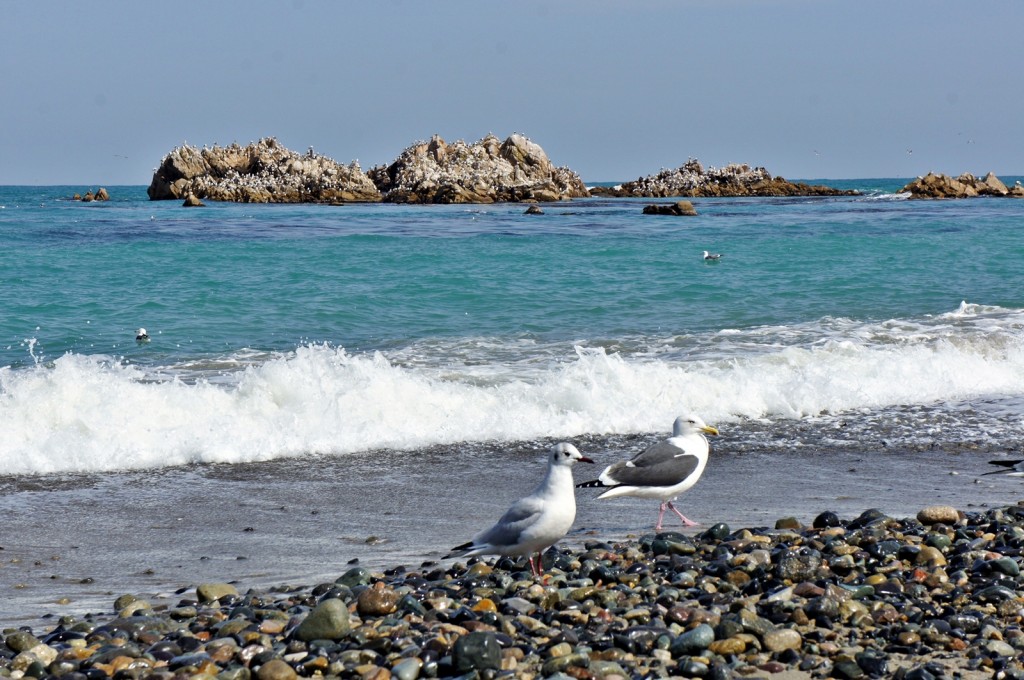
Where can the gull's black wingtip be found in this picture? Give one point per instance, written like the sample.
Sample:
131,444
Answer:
1017,465
592,484
460,550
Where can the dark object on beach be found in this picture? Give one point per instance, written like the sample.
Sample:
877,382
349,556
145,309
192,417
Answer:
1010,468
677,208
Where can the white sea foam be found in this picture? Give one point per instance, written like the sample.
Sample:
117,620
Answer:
95,413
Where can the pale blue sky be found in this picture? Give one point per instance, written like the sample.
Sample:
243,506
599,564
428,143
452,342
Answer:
97,93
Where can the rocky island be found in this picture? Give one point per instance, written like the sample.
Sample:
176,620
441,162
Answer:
487,171
694,180
261,172
966,185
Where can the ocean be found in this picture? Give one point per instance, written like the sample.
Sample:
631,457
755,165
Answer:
376,383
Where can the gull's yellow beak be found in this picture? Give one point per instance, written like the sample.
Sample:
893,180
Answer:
710,430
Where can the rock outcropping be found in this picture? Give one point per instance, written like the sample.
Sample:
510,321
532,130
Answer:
965,186
681,208
262,172
693,180
100,195
486,171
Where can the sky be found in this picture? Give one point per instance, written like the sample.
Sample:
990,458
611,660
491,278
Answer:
97,93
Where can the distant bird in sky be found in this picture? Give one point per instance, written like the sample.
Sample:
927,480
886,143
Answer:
1010,468
141,335
662,471
712,256
534,522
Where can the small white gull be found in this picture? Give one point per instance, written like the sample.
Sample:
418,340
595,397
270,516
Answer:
662,471
537,521
712,256
141,335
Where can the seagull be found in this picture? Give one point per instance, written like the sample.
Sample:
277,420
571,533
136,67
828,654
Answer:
141,335
712,256
1014,468
661,471
537,521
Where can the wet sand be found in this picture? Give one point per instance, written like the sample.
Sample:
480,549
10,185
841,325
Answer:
72,545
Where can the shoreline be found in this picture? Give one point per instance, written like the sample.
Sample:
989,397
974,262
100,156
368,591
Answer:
156,532
836,597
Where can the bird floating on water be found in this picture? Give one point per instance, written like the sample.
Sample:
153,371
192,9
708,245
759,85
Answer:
662,471
534,522
141,335
712,256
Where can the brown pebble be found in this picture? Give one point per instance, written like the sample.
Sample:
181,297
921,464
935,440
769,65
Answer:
782,639
272,626
728,646
276,669
931,557
908,638
808,590
377,601
938,514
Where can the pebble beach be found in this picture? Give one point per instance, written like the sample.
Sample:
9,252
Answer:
932,596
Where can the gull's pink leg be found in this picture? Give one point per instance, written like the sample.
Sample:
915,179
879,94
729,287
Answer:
661,515
686,522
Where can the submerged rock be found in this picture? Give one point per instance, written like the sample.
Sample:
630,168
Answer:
692,179
677,208
487,171
262,172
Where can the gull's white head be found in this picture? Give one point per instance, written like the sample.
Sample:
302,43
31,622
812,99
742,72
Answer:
141,334
566,454
691,424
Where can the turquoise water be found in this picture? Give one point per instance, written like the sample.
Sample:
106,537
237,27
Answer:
479,311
